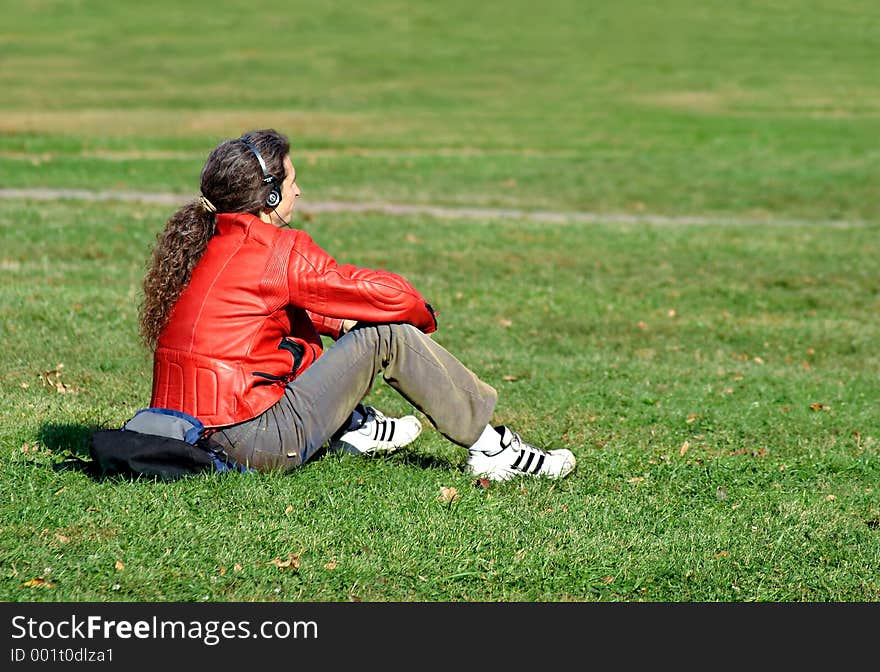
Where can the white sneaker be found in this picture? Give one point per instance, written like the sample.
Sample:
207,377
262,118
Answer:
518,458
378,434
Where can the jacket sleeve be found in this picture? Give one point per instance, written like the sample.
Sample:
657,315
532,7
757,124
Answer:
331,290
326,326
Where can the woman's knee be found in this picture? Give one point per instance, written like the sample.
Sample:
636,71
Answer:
389,331
405,330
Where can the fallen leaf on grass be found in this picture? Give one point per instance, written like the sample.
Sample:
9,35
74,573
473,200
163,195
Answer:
330,565
720,554
816,406
38,582
52,378
482,483
119,565
448,495
684,448
636,479
292,562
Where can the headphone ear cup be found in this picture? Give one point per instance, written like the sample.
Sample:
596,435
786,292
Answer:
274,198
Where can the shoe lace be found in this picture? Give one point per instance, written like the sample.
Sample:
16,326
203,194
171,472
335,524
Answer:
517,444
376,413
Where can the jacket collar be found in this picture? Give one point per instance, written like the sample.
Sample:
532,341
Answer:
228,222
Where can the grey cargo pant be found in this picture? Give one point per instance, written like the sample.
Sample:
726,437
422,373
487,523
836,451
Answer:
317,403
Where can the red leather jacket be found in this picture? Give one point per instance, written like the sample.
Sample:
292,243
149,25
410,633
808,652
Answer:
251,317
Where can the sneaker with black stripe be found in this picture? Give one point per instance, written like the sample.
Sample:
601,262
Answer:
378,433
515,458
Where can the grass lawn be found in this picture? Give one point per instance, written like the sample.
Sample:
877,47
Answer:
715,380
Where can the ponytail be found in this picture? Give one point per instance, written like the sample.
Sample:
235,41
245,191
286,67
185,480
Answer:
179,247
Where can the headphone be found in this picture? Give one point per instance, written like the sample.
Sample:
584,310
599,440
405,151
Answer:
273,198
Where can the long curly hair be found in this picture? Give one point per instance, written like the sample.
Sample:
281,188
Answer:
231,181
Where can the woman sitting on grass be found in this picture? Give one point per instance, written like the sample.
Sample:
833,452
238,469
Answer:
234,309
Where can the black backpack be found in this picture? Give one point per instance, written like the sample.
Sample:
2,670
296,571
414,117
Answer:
159,443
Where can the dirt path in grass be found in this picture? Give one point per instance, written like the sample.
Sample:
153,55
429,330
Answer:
306,208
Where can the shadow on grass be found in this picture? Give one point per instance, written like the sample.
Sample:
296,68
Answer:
403,456
71,440
429,462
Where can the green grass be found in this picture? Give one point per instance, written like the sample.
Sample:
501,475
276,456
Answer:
749,345
764,109
717,382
